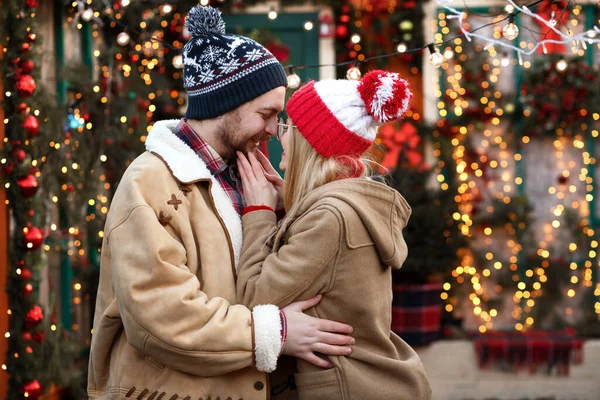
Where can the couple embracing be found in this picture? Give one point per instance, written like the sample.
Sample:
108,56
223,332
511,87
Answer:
220,280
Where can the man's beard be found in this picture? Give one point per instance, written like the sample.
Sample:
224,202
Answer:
231,136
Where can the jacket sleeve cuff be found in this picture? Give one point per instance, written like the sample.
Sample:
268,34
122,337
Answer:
255,208
267,339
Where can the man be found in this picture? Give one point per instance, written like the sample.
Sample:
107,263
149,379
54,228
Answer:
166,324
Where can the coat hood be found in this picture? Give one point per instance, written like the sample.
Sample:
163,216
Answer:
382,210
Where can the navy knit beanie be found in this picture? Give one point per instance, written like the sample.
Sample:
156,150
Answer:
223,71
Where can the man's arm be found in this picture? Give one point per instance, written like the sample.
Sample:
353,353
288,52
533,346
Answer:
167,317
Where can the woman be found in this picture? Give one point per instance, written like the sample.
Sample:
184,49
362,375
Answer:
341,237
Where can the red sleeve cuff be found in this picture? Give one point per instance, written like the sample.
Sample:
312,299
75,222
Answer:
256,208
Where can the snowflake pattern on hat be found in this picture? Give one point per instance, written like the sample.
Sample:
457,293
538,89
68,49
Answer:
215,64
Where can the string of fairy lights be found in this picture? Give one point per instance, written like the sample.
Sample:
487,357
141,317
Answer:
528,286
510,32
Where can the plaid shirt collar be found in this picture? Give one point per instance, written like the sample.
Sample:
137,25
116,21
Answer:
226,175
213,160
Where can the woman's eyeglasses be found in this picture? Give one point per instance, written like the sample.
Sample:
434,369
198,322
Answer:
282,128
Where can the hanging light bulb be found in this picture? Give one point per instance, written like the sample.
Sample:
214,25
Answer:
561,65
272,13
123,38
308,25
355,38
401,47
293,79
511,31
178,61
353,74
448,54
87,14
124,3
435,57
167,8
204,2
552,21
505,62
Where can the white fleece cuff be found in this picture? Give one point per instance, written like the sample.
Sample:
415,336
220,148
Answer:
267,336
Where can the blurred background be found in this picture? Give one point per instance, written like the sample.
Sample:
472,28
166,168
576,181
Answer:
500,293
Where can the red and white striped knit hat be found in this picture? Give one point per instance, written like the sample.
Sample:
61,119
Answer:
341,117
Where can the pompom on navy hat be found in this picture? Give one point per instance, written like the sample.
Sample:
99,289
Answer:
223,71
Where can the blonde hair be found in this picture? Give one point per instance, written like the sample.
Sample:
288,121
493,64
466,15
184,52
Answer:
307,170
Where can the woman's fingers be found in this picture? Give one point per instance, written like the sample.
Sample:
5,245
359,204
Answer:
244,165
336,339
332,350
256,167
313,359
266,164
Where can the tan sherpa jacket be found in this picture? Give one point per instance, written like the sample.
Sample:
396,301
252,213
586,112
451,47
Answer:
166,325
342,241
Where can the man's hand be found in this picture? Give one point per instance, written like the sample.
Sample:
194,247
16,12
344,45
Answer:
307,335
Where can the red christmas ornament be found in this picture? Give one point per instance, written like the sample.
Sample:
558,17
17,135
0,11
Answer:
31,3
29,350
341,31
28,186
31,125
33,316
25,85
33,238
21,108
25,47
26,66
19,155
32,37
38,337
33,389
31,213
26,336
25,273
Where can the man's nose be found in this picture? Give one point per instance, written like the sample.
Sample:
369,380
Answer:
271,127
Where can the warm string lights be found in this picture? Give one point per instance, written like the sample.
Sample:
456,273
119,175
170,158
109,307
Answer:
528,281
510,31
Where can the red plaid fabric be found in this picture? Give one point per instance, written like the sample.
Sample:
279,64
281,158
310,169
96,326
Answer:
226,175
417,313
551,350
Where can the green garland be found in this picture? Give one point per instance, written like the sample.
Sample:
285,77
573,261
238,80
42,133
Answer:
39,353
559,95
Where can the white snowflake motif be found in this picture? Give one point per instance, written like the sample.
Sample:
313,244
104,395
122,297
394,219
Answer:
199,42
253,55
212,53
206,76
189,81
229,66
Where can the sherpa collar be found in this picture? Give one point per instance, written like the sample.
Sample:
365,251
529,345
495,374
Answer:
187,167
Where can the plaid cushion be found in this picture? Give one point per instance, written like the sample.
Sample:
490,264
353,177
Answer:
417,313
536,350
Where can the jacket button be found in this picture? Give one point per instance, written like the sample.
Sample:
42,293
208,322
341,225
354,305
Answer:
259,385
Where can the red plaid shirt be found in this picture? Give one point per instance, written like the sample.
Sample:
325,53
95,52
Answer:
225,174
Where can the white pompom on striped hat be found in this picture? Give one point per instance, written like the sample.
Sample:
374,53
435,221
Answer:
341,117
